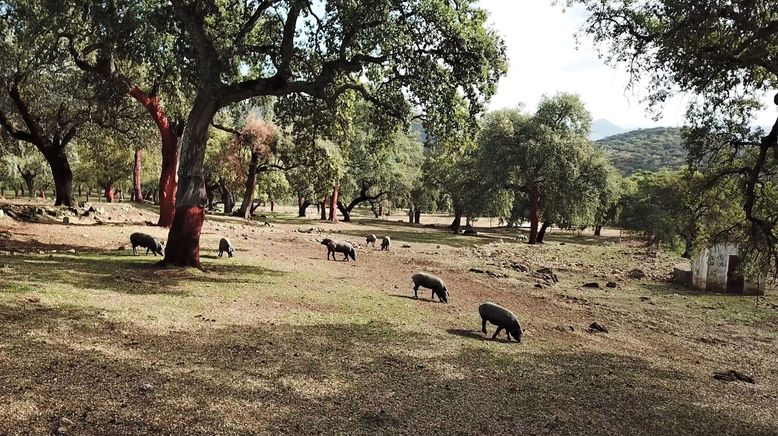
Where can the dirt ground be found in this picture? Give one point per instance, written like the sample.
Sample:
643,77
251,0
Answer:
279,340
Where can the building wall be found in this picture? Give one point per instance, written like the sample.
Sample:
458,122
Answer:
718,264
700,270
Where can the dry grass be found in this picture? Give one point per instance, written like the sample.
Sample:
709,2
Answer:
279,340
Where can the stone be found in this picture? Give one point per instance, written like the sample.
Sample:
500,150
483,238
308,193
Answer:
591,285
611,285
72,251
596,327
122,247
636,274
733,375
66,220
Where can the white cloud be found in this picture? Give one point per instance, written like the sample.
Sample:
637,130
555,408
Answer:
545,59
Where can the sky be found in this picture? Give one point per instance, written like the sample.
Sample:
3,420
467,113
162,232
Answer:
545,59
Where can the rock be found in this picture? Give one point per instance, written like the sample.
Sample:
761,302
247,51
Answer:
645,298
72,251
147,388
66,220
591,285
596,327
547,275
611,285
519,267
406,246
122,247
538,285
732,375
1,213
636,274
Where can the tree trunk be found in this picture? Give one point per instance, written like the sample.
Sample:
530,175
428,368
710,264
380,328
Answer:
169,135
272,206
410,215
209,194
542,232
108,190
688,246
183,247
534,213
380,211
417,216
137,192
323,209
302,207
42,193
79,190
29,181
597,230
334,205
251,183
344,210
63,178
226,194
457,223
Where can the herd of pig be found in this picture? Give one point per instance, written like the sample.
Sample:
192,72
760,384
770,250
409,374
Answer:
495,314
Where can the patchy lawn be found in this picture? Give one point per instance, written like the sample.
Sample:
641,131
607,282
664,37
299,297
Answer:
280,340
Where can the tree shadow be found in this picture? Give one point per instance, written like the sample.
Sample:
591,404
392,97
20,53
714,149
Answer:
110,377
136,275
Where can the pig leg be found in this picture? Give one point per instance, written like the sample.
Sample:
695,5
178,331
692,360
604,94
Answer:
499,329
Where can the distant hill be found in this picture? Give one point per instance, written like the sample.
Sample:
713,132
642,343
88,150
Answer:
645,149
603,128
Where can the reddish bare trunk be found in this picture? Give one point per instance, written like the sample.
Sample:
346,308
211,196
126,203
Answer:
534,213
137,192
109,194
334,205
42,194
183,245
168,183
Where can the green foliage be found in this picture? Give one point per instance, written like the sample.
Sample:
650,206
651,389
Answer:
653,149
726,52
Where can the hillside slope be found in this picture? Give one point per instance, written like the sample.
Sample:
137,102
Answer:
645,149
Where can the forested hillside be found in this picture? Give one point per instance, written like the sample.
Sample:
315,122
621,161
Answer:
645,149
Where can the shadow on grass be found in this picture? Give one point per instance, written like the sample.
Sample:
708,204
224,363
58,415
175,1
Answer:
137,275
113,378
411,297
478,335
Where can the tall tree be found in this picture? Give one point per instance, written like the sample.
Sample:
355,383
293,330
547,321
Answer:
726,52
33,75
399,55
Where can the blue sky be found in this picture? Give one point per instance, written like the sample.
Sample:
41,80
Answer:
545,59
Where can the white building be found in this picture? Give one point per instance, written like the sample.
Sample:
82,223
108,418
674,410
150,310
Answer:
717,269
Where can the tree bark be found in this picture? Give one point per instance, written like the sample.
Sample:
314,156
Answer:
534,213
542,232
417,216
457,223
380,211
344,211
29,181
63,177
597,230
323,209
108,192
410,215
334,204
137,192
302,207
272,206
169,134
251,184
226,194
183,247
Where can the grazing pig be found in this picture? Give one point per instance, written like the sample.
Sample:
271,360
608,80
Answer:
370,240
426,280
226,245
385,243
339,247
145,241
502,318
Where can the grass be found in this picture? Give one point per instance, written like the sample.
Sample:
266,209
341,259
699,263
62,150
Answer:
279,340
